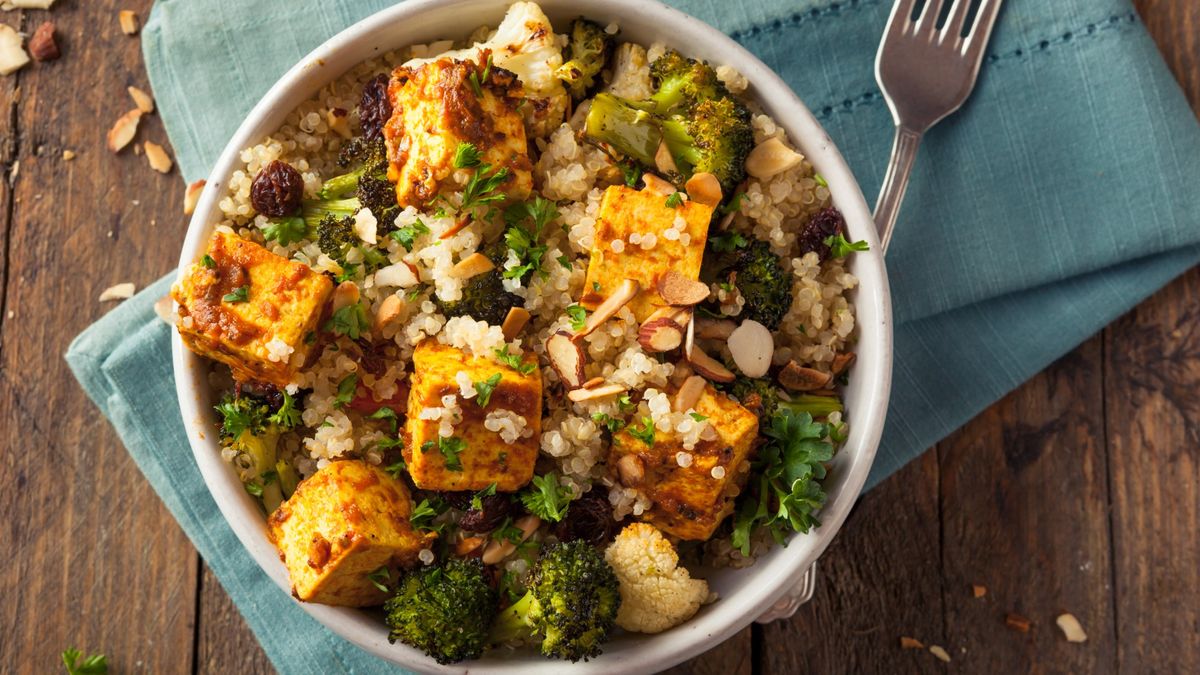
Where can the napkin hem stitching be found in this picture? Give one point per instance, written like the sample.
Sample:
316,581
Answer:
799,18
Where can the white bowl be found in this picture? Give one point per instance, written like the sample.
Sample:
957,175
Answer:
744,594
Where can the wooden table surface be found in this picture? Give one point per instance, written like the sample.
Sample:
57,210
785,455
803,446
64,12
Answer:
1075,493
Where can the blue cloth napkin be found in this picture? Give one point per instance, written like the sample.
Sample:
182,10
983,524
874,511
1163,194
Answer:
1061,195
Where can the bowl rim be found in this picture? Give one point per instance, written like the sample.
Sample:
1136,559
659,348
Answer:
787,565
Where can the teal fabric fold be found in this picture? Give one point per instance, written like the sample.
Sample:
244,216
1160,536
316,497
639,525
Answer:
1062,194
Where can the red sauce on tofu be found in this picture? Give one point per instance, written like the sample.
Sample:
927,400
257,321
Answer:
209,311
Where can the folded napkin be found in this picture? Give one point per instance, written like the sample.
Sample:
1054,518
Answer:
1061,195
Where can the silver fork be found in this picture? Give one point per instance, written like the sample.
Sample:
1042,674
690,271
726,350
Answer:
925,73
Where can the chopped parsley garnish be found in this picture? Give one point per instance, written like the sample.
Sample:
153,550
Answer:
698,417
207,261
310,337
564,261
408,234
425,512
624,404
415,293
394,470
546,499
606,421
389,443
240,415
522,240
466,156
481,188
239,294
840,248
285,230
350,321
349,272
820,180
450,447
380,578
734,204
631,172
288,416
644,433
95,664
385,414
675,200
725,243
484,389
253,488
473,80
514,361
596,286
345,391
477,498
578,316
502,460
508,532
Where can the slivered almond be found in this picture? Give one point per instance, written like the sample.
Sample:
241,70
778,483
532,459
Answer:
472,265
709,367
400,274
129,22
940,652
12,55
344,295
752,347
389,311
191,196
339,121
141,99
1017,623
593,383
631,470
796,377
122,291
1071,628
459,225
771,157
714,329
159,160
689,393
566,358
911,643
515,322
659,185
123,131
704,188
498,549
467,546
627,291
660,335
581,395
689,342
676,289
841,362
663,160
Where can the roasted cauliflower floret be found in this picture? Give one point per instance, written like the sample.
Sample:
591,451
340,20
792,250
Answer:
656,594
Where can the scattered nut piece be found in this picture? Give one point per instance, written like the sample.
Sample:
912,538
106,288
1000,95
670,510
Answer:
689,393
584,394
709,367
911,643
192,196
12,56
660,334
841,362
630,470
940,653
676,289
389,311
467,546
593,383
163,309
978,591
663,159
704,188
795,377
1017,623
515,322
752,347
472,266
30,4
142,100
344,295
1071,628
659,185
339,121
159,160
42,46
714,329
129,22
122,291
566,357
400,275
68,155
494,554
627,291
771,157
123,130
459,225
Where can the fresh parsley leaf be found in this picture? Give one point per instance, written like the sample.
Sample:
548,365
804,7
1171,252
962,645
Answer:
380,578
565,261
95,664
523,241
606,421
239,294
840,248
514,361
578,316
414,293
349,272
345,391
477,498
675,200
385,414
254,488
546,499
481,188
596,286
644,433
241,415
407,235
624,403
466,156
424,513
730,241
389,443
350,321
508,532
698,417
734,204
450,447
285,230
394,470
473,80
288,416
207,261
820,180
373,258
484,389
631,172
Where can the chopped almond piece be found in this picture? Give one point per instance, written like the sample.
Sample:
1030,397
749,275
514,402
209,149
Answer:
631,470
566,358
709,367
663,159
582,394
68,155
144,101
472,266
159,160
911,643
659,185
389,311
795,377
704,188
515,322
689,393
1071,628
129,22
339,121
123,131
12,56
677,289
122,291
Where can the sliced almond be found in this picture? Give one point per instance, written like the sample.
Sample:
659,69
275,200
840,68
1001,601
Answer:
28,4
566,357
344,295
467,546
339,121
164,309
122,291
771,157
12,55
940,653
389,311
709,367
689,342
660,335
1071,628
192,196
663,160
911,643
627,291
704,188
796,377
159,160
659,185
515,322
400,275
593,383
841,362
1017,623
677,289
752,347
129,22
472,266
123,131
689,393
631,470
459,226
708,328
141,99
581,395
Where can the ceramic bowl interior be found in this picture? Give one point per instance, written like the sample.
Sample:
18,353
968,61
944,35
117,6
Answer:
744,594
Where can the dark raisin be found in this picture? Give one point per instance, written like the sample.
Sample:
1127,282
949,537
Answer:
42,46
277,189
495,509
375,107
373,359
825,224
588,518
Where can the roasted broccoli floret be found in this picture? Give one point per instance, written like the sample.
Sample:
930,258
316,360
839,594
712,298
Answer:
335,235
571,604
765,399
444,611
366,186
587,52
484,297
704,127
251,429
760,276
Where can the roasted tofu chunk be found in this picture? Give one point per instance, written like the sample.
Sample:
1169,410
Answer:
250,309
444,103
677,236
454,443
691,501
343,523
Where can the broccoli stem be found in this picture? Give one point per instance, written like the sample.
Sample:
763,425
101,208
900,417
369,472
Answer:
630,130
511,623
817,406
340,186
314,211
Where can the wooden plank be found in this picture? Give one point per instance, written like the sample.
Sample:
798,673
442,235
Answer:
1153,408
95,560
879,580
732,657
1175,27
1024,514
224,643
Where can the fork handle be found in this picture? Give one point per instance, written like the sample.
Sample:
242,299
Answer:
895,182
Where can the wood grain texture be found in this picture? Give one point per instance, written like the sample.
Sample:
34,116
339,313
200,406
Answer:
224,643
1175,27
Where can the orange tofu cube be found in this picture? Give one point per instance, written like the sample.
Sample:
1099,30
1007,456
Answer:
474,456
344,522
689,502
250,309
624,212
